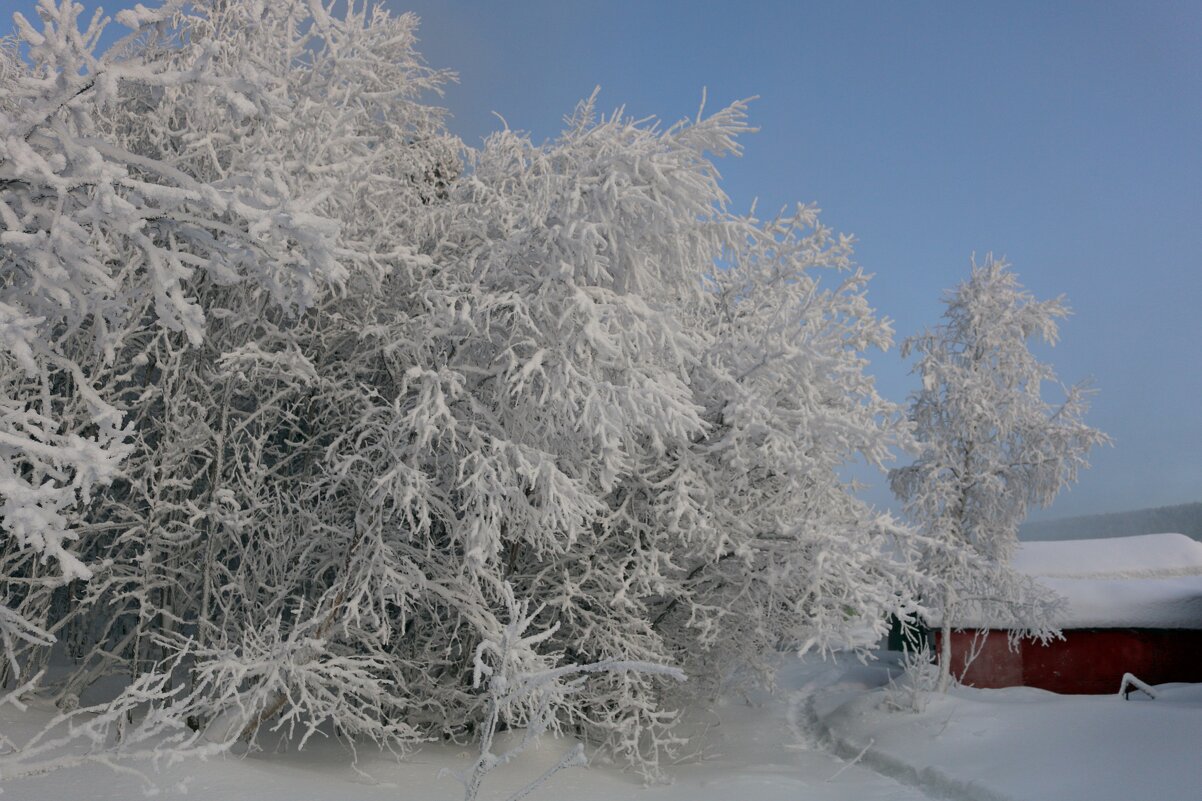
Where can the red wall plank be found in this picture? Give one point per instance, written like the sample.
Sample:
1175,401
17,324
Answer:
995,665
1087,661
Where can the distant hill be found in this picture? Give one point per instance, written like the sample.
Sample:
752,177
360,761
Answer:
1183,519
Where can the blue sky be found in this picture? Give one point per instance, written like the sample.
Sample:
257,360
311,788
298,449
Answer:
1064,136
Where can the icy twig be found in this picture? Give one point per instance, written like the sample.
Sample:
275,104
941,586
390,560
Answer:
859,756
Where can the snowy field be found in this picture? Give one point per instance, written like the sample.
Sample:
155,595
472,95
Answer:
1021,742
826,733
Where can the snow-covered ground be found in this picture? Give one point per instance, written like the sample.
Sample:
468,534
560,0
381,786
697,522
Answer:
751,751
1021,743
801,742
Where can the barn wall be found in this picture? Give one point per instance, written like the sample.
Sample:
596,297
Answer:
995,664
1094,660
1087,661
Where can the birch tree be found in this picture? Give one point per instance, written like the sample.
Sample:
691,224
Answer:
991,446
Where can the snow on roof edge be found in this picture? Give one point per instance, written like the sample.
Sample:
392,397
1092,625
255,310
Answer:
1143,581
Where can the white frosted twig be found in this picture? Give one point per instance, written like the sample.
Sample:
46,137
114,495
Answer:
859,756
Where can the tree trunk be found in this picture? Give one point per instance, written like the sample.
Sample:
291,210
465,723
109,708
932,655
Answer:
945,641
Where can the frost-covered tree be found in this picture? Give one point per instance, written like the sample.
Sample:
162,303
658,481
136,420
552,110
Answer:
207,169
381,378
573,400
991,446
523,687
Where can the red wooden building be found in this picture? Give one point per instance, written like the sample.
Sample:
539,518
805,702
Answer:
1134,606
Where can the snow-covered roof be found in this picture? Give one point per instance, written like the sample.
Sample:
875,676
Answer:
1148,581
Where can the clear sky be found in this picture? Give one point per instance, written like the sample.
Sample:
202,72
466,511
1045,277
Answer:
1063,136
